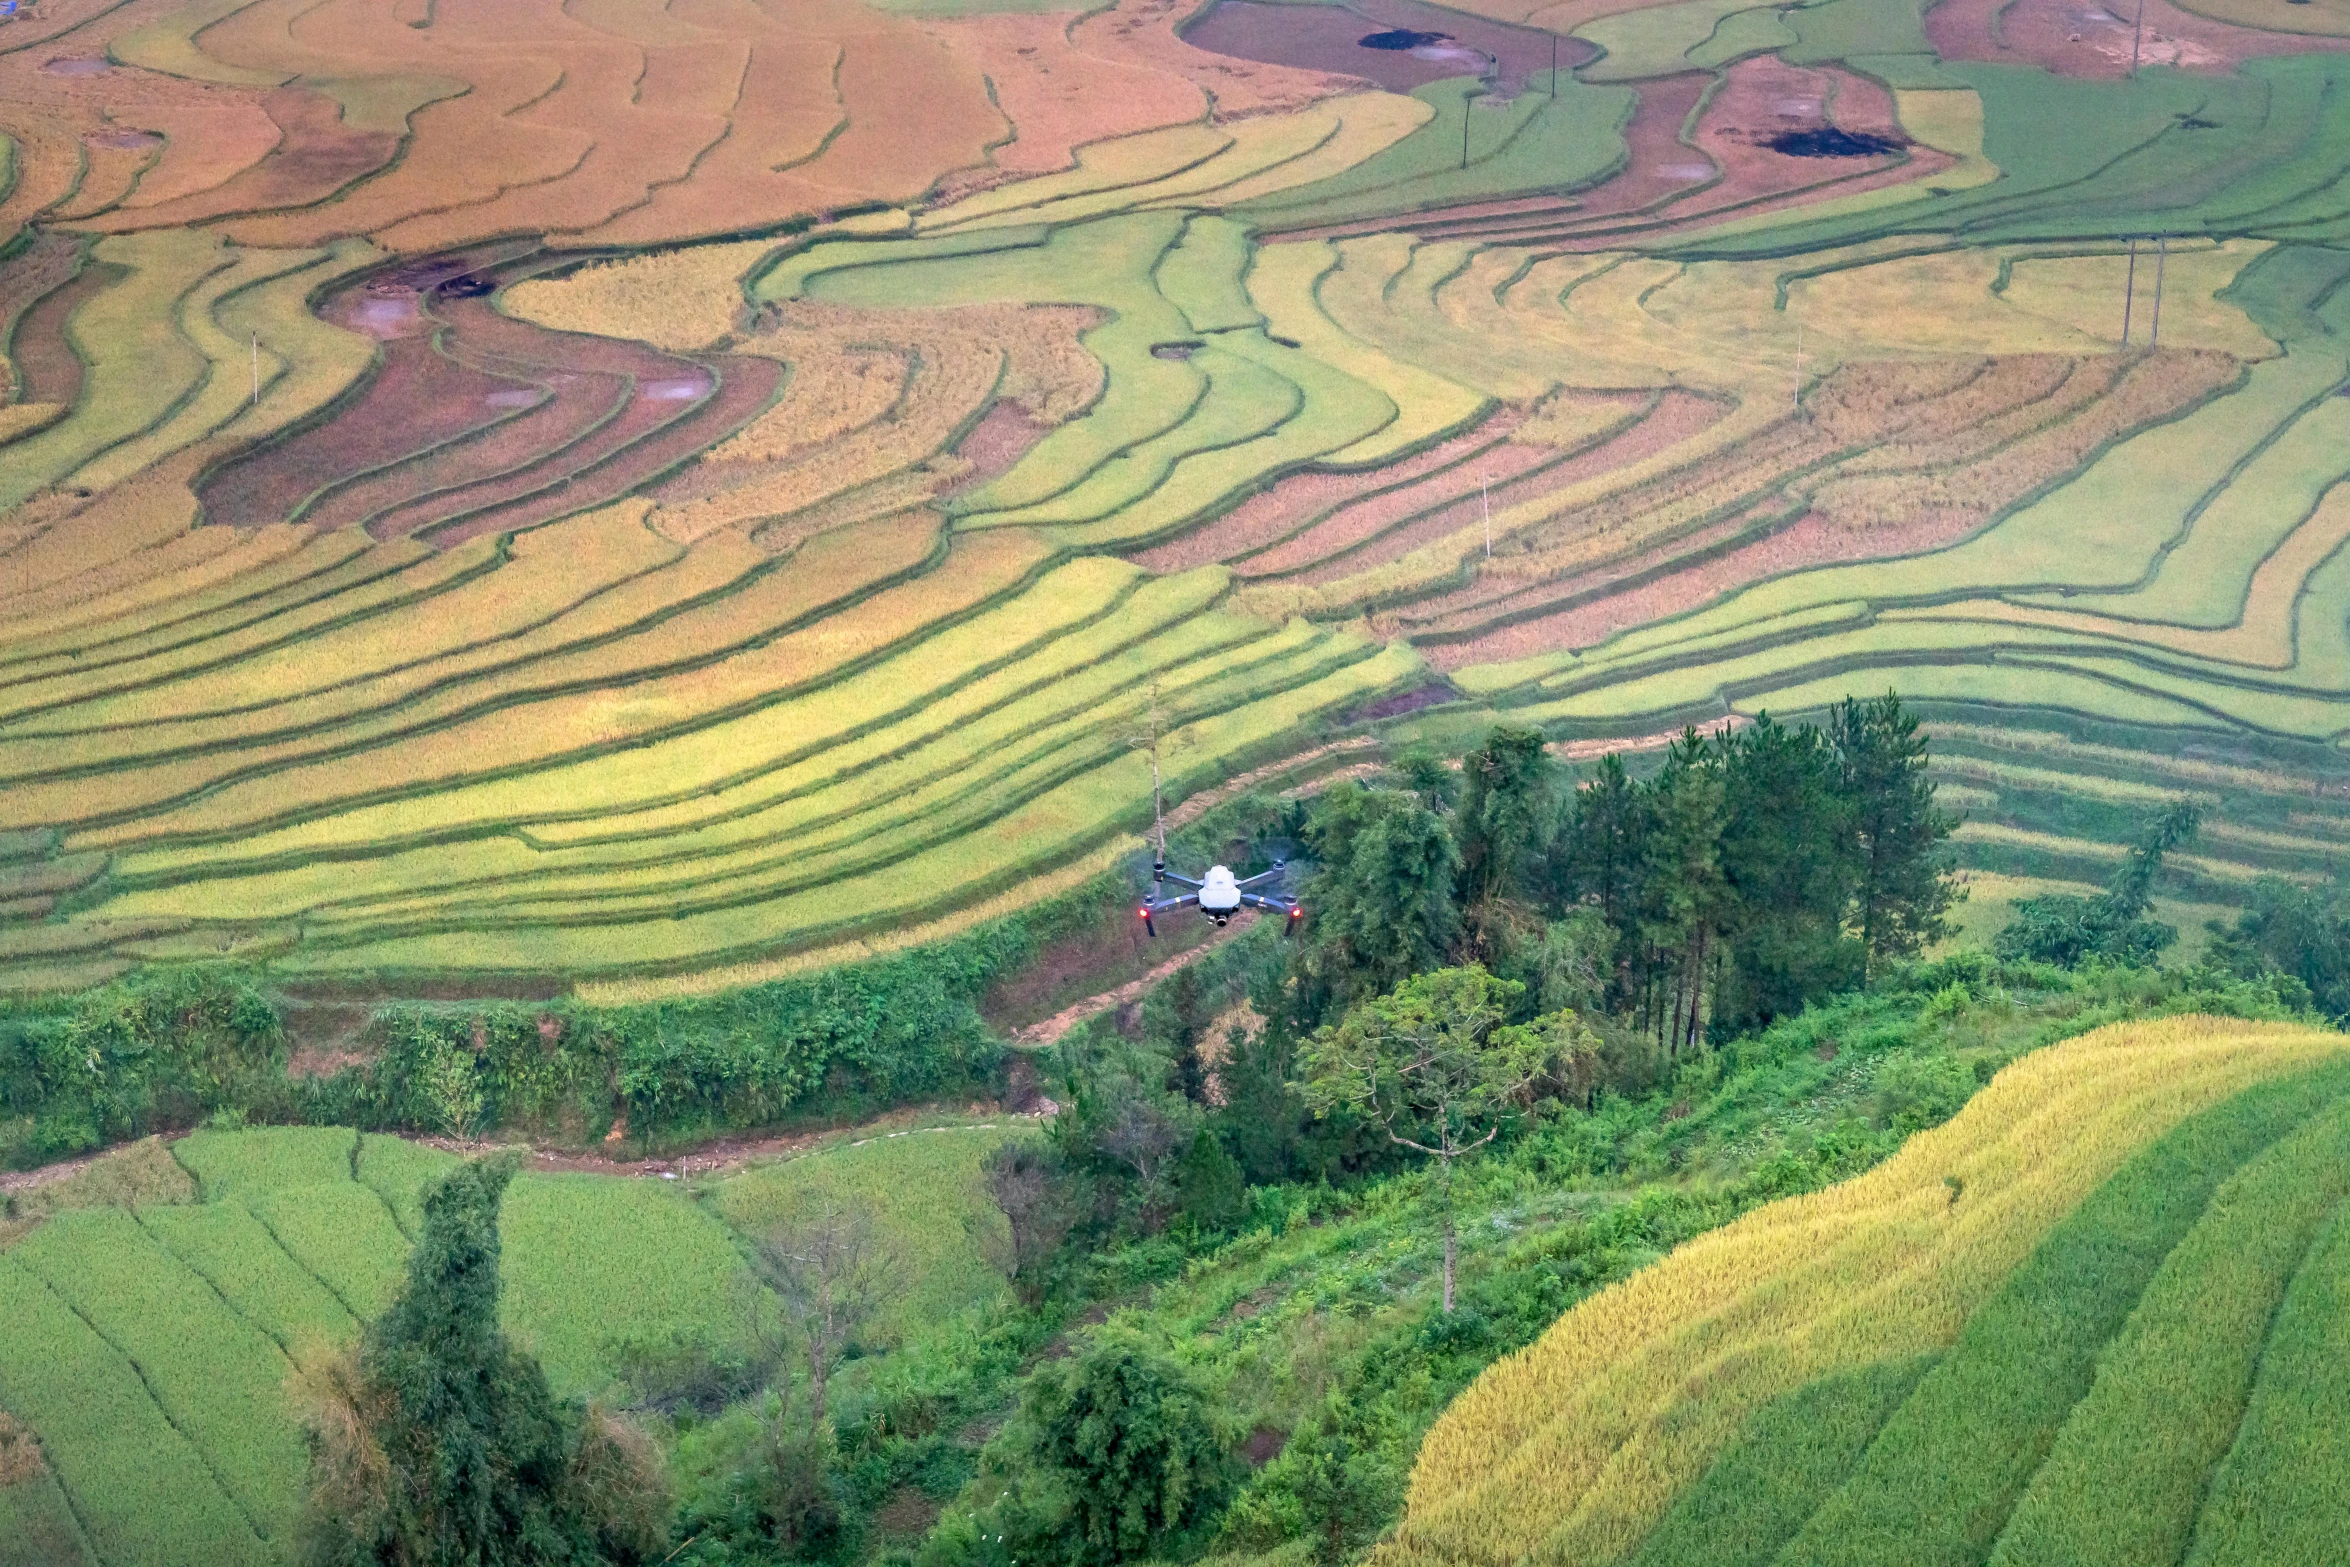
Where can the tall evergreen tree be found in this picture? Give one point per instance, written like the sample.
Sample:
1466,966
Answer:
1380,908
1901,888
1788,855
1686,898
1598,859
1504,813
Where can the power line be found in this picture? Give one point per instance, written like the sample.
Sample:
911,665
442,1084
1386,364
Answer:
2129,292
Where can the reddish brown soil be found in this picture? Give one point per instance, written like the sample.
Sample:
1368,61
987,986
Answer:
2083,38
1679,415
316,156
1810,542
1329,38
44,265
46,365
1509,469
1001,438
1271,515
477,423
670,431
417,399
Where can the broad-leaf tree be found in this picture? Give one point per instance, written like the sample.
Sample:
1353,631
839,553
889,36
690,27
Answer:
1433,1063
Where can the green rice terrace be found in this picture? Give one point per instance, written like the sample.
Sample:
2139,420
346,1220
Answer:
643,577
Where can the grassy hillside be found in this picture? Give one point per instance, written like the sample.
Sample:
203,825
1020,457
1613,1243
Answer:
2072,1324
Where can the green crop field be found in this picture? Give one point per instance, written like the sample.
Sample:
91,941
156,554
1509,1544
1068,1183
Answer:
150,1342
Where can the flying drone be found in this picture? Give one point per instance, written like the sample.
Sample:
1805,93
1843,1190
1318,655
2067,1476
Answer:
1219,894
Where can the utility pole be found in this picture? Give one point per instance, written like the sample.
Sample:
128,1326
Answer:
1797,404
1486,491
1554,67
1464,130
2137,36
257,369
2129,293
2161,255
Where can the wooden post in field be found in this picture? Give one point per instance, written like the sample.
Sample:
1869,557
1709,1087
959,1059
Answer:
257,369
2137,36
2129,292
1797,407
1485,491
1554,67
1464,130
2161,255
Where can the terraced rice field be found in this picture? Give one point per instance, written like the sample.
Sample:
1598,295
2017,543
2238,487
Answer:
2087,1320
602,492
149,1345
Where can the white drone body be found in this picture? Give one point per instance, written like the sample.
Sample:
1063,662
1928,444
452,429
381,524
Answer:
1219,895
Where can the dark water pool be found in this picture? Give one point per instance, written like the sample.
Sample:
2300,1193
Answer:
1399,44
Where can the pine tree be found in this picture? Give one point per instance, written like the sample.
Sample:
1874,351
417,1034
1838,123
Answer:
1901,888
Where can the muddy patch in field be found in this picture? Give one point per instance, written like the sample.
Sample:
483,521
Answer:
1398,44
124,140
77,65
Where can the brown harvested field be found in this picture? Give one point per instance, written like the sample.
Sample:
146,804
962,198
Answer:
1994,433
1678,416
1810,541
1056,97
674,431
1506,472
47,368
894,111
418,399
1272,515
316,156
39,269
1001,438
1329,38
2083,38
443,479
1143,32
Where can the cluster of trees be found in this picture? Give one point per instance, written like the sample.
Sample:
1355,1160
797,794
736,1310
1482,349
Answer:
1754,870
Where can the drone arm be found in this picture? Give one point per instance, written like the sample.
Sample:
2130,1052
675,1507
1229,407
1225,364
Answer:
1260,877
1185,880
